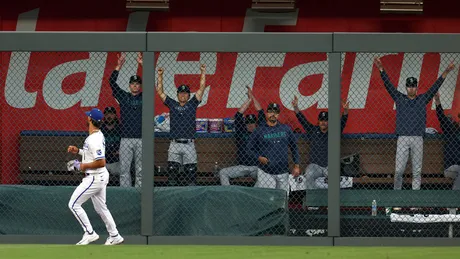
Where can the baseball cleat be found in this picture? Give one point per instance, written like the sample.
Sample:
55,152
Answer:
116,240
87,238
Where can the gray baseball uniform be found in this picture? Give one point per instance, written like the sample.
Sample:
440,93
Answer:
182,150
410,128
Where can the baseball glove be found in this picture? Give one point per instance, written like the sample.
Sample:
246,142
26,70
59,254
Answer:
73,166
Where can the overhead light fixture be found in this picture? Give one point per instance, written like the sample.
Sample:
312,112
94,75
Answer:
273,5
401,6
147,5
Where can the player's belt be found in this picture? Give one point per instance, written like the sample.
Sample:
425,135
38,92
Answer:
93,173
183,141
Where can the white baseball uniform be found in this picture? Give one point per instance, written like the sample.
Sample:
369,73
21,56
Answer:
93,186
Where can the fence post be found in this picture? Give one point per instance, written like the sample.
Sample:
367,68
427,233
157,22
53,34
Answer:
334,133
148,94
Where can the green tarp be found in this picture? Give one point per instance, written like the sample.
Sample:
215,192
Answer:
219,210
186,211
43,210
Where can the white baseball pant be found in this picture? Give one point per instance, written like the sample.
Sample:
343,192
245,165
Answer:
92,186
130,148
272,181
453,172
315,178
182,153
414,145
225,174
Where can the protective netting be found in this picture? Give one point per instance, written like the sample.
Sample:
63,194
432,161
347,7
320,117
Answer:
240,119
43,114
241,140
403,136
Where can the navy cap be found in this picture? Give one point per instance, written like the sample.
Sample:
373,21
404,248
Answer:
323,116
250,119
183,89
274,107
95,114
135,79
110,109
411,82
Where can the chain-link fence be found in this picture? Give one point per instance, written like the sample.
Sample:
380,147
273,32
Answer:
403,143
238,121
241,142
46,135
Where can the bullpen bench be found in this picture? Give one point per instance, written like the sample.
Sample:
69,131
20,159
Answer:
43,157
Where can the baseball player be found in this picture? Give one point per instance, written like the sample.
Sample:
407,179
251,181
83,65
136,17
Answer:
111,130
318,166
243,129
269,145
131,124
410,123
451,132
182,115
94,183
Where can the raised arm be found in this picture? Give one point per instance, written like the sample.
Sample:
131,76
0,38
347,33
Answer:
260,112
307,126
343,121
160,90
445,123
254,99
200,92
117,92
435,87
239,117
139,58
394,93
246,104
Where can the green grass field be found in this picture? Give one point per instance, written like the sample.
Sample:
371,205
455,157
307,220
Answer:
216,252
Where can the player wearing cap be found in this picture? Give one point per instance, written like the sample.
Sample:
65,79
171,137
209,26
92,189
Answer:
410,123
131,124
247,166
111,129
182,150
94,183
270,145
318,166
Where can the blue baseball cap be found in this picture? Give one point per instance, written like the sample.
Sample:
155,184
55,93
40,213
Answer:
95,114
323,116
183,89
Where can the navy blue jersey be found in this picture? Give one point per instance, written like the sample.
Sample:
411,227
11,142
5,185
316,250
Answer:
183,118
130,109
410,113
318,140
451,134
242,136
274,143
112,143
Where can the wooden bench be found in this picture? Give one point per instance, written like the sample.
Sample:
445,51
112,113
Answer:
43,157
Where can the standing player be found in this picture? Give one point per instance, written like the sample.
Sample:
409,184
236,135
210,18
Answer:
318,144
269,145
243,129
131,124
410,123
94,184
451,134
182,150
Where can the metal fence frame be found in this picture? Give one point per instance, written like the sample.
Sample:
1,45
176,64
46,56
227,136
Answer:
149,42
